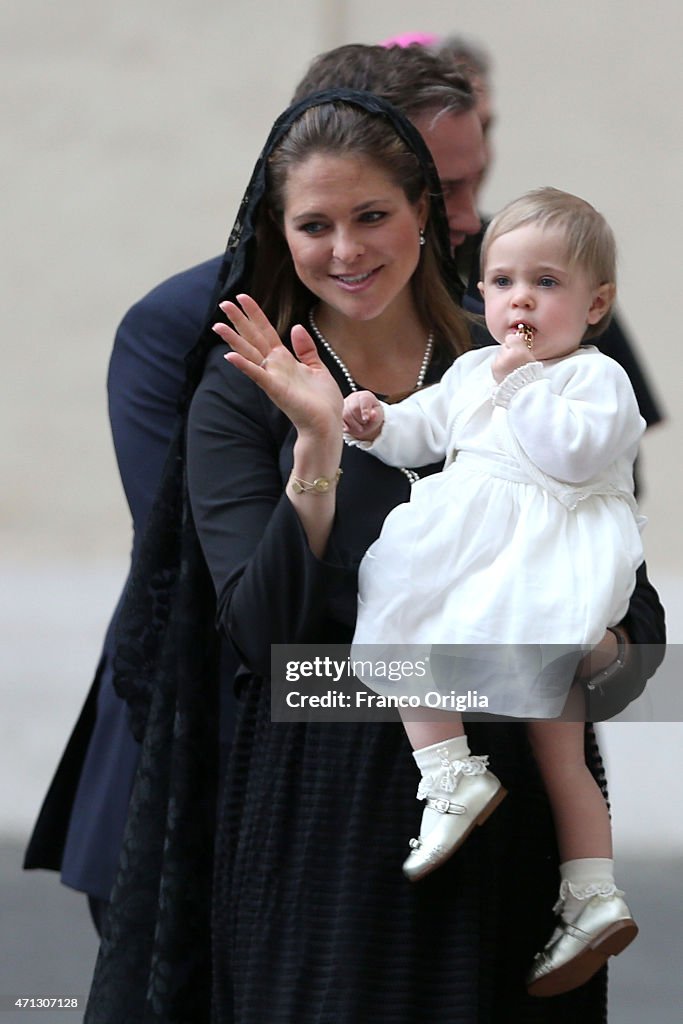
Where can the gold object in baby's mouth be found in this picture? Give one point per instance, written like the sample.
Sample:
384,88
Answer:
527,333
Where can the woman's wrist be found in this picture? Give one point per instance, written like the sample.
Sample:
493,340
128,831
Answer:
312,485
321,484
326,431
317,455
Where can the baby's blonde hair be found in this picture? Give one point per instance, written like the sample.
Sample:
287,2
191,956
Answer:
589,238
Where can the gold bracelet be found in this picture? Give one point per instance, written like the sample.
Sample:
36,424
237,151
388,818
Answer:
321,484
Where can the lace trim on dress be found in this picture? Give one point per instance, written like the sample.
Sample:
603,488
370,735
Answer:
515,381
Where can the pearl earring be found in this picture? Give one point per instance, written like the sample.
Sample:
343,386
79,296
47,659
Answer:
422,237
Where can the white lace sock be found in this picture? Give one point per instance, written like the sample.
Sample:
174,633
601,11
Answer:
581,879
432,762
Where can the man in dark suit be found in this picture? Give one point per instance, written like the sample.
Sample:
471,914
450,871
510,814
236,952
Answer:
81,824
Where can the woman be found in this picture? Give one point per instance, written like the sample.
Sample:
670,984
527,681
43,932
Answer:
312,920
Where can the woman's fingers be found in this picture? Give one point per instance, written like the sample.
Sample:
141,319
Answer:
299,384
238,343
252,323
249,368
304,346
251,334
257,319
257,350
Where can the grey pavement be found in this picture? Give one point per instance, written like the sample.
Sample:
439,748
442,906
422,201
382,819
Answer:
49,945
47,940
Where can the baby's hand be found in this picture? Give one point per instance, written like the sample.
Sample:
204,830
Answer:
363,416
513,352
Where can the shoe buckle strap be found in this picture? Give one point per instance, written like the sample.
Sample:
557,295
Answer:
444,806
575,932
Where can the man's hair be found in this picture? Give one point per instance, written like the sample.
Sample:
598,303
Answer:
589,240
412,78
466,53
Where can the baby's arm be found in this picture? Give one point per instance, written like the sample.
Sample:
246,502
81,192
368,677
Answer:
363,416
411,433
416,431
577,420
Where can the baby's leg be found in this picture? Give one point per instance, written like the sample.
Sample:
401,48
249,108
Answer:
579,810
442,725
596,922
458,790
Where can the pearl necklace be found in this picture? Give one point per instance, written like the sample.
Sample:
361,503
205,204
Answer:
412,476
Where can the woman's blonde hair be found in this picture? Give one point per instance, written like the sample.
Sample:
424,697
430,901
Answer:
589,240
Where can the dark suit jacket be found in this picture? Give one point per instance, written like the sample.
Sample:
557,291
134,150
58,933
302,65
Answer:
81,822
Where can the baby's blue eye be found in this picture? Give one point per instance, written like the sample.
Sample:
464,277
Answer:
547,282
501,281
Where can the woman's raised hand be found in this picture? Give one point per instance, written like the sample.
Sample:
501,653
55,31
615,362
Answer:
301,385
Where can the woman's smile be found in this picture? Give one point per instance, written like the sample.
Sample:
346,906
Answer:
356,282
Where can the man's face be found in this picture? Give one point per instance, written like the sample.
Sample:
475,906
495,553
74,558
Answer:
457,146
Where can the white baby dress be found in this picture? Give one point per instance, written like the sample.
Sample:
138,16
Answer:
526,545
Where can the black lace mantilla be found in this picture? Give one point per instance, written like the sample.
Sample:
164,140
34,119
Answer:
154,962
